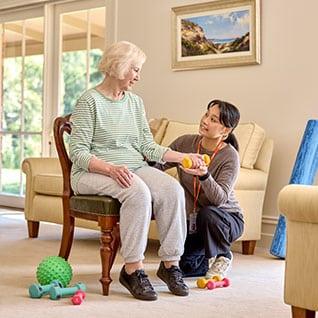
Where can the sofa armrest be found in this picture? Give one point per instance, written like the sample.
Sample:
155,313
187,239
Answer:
35,166
32,167
299,203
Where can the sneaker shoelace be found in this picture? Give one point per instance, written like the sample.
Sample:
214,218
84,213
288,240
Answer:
176,276
211,261
221,265
143,281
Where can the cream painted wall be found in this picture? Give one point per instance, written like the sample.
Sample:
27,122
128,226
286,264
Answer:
280,94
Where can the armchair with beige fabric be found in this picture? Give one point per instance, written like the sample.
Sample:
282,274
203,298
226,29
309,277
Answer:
44,180
299,203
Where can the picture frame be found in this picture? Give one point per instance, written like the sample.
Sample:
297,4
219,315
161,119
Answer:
221,33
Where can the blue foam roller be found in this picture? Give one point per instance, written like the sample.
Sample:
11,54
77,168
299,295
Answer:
304,172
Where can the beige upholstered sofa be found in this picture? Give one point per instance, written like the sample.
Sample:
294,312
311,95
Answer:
299,203
44,180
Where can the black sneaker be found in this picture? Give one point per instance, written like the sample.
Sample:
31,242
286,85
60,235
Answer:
138,284
173,278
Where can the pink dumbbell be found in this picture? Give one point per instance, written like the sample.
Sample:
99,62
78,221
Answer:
215,284
78,297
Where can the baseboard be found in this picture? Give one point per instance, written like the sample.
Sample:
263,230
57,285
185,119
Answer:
269,223
12,201
269,219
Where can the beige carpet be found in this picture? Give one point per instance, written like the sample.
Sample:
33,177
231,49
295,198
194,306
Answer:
256,281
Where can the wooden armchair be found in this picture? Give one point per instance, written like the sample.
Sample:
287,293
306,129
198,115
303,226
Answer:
102,209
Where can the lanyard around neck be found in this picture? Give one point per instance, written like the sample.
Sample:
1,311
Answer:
196,183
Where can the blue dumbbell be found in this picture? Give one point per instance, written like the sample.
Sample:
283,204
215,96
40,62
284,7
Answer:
37,290
58,292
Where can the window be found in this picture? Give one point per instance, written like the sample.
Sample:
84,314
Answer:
83,34
48,57
22,99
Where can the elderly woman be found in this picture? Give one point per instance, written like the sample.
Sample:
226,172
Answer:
109,143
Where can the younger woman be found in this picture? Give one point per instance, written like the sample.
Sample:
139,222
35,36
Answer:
214,216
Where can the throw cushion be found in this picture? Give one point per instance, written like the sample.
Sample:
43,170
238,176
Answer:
158,127
250,138
176,129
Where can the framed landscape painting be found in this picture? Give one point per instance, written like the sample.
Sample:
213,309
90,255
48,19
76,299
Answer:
216,34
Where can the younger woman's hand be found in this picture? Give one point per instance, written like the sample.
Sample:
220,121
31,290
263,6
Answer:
201,171
121,175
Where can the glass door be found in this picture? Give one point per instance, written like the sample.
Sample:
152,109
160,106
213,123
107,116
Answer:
21,102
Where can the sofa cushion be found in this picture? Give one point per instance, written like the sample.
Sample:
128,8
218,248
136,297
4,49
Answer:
250,138
49,183
249,135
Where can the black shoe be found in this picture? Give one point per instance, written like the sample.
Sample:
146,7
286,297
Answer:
173,278
138,284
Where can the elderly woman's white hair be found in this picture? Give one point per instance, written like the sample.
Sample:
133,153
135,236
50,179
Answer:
119,57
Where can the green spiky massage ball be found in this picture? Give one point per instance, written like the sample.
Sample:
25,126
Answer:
52,268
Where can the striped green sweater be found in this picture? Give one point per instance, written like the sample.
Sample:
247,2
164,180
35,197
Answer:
114,131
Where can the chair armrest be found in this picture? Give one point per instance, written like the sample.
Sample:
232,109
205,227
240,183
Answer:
299,203
35,166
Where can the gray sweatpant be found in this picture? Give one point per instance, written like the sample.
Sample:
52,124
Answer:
151,188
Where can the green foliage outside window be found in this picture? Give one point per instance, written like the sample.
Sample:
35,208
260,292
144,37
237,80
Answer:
74,77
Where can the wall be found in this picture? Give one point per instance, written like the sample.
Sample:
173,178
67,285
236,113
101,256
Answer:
280,94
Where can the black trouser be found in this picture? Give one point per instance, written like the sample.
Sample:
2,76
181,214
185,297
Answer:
216,230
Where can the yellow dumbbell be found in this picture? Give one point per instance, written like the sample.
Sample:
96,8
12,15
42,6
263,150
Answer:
187,162
202,282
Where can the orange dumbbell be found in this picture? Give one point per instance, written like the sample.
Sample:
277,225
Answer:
187,162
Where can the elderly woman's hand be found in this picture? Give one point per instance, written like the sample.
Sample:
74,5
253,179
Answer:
196,159
194,164
121,175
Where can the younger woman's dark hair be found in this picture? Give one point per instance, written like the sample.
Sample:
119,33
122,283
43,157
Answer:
229,117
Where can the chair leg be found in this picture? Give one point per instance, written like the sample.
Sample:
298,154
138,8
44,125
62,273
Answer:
33,229
109,244
116,243
302,313
248,247
67,238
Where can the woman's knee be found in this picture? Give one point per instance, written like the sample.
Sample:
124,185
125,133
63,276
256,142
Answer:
174,188
170,191
206,216
139,192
